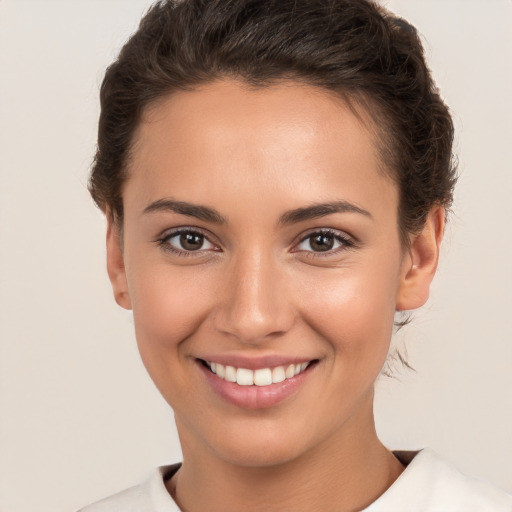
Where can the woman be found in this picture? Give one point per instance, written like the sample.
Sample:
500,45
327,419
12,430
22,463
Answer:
276,177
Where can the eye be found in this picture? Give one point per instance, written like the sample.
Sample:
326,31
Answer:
324,241
186,241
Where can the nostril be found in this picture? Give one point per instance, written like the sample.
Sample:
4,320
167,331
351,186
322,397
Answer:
250,328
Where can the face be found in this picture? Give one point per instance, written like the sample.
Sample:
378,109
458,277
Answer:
262,260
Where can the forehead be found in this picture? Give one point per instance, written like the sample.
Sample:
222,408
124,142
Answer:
227,135
303,111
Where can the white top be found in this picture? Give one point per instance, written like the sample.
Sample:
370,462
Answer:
428,484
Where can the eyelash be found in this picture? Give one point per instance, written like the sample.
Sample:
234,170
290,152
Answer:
345,241
163,242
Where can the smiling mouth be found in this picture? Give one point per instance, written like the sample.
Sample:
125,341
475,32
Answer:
258,377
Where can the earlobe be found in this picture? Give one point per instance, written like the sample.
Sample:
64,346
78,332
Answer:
115,266
420,263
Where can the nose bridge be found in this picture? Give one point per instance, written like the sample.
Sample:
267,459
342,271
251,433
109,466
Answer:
255,305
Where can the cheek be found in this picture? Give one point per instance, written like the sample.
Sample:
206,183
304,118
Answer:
353,310
169,304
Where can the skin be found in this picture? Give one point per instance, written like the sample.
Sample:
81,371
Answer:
256,287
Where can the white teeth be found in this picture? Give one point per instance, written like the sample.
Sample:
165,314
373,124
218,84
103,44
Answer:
263,377
244,377
290,371
259,377
220,370
278,374
230,374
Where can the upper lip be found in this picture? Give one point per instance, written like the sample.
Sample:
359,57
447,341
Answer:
255,362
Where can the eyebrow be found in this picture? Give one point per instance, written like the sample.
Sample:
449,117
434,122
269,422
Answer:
291,217
185,208
321,210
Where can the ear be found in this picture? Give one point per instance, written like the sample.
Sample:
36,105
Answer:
420,263
115,266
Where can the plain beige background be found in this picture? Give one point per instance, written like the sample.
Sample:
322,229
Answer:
79,418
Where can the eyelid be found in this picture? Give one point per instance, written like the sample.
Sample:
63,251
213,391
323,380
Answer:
346,240
165,236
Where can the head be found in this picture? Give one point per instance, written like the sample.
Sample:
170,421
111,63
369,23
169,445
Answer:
236,138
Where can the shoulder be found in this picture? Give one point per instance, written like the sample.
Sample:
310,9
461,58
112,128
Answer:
149,496
431,484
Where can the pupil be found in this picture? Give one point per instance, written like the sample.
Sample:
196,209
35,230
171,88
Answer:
191,241
322,242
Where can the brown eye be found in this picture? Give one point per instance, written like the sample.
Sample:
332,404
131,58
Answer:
324,241
186,242
191,241
321,242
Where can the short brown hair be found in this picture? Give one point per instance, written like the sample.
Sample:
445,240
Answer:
350,47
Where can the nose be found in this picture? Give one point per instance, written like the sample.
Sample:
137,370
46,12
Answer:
254,305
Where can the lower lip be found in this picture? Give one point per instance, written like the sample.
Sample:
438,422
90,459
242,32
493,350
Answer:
255,397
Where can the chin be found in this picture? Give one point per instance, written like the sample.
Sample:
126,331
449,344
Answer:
260,443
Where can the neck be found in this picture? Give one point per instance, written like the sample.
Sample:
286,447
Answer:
347,471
